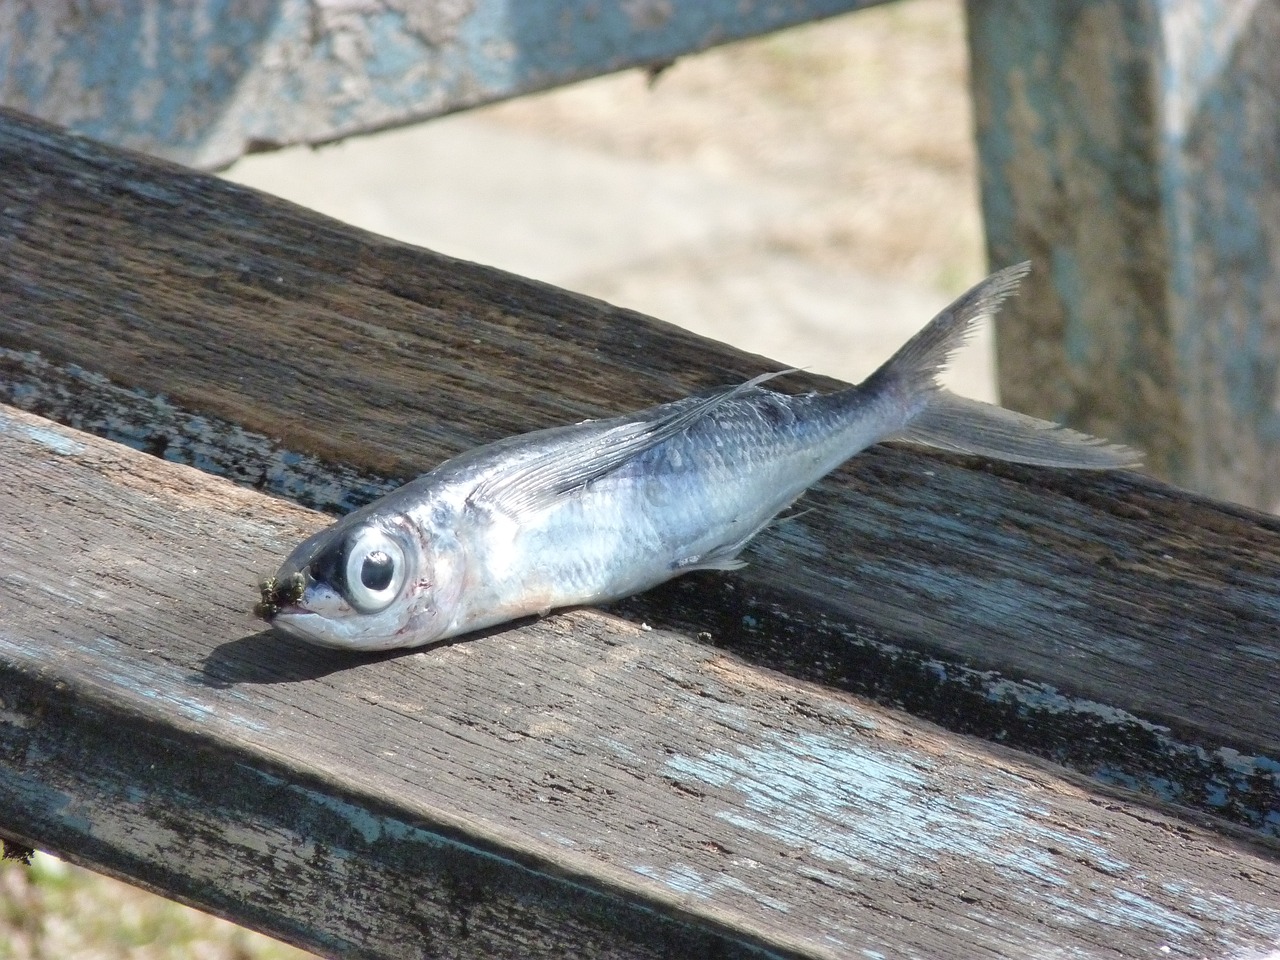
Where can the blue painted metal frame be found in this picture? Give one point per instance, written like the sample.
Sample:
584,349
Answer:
1131,148
207,81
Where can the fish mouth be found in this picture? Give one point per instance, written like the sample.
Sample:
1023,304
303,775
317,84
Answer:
292,620
299,623
293,610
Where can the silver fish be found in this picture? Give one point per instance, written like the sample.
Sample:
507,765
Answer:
600,510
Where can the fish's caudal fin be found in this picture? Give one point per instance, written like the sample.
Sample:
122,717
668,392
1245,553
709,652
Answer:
911,374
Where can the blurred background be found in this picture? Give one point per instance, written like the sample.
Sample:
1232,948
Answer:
810,196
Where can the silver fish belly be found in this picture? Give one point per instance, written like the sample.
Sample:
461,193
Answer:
596,511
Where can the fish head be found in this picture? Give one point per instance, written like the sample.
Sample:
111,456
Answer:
368,582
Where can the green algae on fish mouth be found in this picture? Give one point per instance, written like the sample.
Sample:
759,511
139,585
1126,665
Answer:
278,594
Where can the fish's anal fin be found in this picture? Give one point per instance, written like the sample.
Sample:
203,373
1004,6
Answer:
550,477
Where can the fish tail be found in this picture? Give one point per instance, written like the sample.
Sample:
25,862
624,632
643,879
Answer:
912,373
961,425
941,419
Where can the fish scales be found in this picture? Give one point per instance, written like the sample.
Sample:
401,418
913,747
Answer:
684,504
600,510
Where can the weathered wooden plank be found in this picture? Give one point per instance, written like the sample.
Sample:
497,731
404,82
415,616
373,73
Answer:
1133,149
1111,623
578,786
206,82
1107,622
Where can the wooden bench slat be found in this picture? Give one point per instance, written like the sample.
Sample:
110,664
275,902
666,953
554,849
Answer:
577,786
1134,628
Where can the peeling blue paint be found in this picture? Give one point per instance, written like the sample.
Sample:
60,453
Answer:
1144,911
50,439
1240,770
854,807
1219,780
144,679
686,880
200,83
189,707
375,829
51,803
1209,903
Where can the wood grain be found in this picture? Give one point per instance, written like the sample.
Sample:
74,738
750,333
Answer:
1110,622
579,786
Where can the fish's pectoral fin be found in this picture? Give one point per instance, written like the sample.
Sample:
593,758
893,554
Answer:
545,479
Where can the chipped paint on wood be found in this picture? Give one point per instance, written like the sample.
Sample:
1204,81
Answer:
205,82
1131,150
53,441
154,424
858,806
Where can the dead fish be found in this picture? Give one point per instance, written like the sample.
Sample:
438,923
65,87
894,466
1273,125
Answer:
600,510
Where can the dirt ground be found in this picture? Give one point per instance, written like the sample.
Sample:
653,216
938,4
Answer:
862,122
870,111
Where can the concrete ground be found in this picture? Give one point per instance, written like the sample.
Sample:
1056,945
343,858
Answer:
726,199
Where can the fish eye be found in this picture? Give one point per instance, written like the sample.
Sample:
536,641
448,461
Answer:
375,570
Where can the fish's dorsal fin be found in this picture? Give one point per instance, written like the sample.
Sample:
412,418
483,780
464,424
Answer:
545,479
